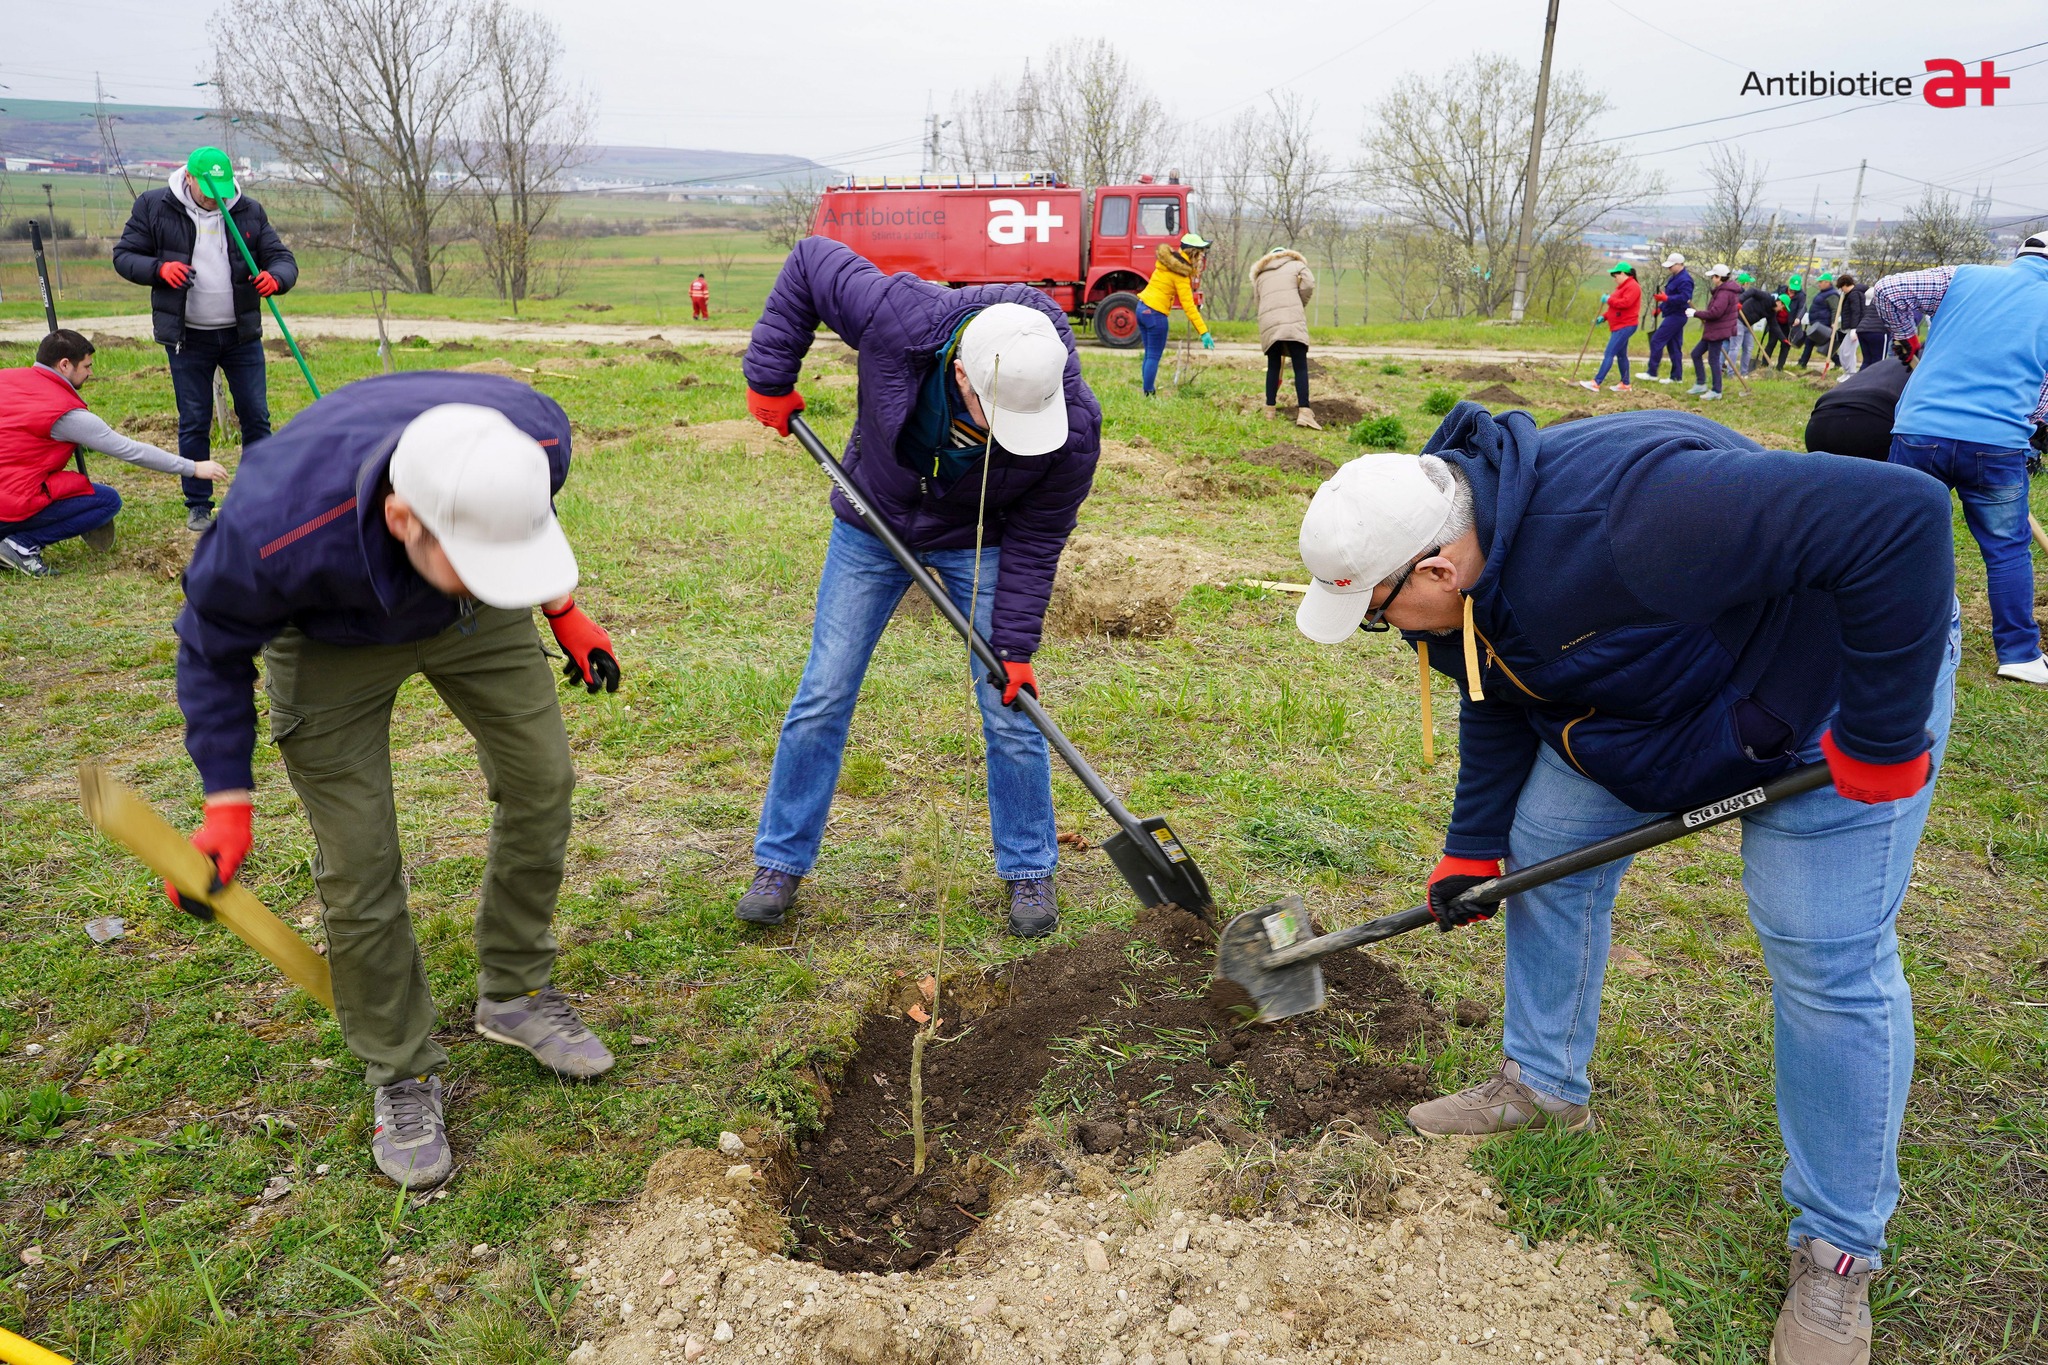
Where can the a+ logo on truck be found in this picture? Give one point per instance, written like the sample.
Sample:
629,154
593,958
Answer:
1008,221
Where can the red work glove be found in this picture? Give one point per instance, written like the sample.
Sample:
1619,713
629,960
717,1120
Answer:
1453,878
1660,296
224,836
1908,351
1874,783
266,284
591,661
774,413
176,274
1018,678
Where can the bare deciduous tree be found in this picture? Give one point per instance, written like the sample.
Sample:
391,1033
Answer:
1734,213
1085,115
369,96
1448,155
1225,175
790,212
1295,171
1939,231
526,128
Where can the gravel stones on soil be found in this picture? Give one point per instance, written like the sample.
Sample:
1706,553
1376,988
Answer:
1108,1269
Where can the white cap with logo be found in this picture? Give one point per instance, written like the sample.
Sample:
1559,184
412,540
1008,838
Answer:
1025,395
1367,520
480,484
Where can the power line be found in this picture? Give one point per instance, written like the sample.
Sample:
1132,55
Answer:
1631,14
1339,55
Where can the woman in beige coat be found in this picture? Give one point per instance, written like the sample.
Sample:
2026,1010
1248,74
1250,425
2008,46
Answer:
1283,284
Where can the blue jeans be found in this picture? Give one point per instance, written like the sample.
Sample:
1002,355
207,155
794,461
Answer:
1617,350
1825,877
193,362
858,591
1152,326
64,518
1992,482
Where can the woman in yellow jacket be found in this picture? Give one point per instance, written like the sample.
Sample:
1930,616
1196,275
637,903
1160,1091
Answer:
1173,281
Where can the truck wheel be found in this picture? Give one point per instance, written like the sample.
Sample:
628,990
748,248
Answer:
1116,321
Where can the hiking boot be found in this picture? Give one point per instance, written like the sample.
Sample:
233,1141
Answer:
99,539
27,559
547,1025
1589,386
1034,908
2035,672
769,898
1619,388
1497,1105
1710,395
1826,1317
199,520
1272,412
1306,417
410,1141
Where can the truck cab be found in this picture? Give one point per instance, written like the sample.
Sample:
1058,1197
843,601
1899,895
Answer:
1131,223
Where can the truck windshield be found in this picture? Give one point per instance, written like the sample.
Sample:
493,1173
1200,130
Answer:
1116,215
1159,217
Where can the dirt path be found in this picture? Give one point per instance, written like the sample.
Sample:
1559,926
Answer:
613,334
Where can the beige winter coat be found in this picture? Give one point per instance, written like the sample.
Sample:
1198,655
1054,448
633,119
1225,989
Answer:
1283,284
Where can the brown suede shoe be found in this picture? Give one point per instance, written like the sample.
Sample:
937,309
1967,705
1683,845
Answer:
1826,1317
1496,1106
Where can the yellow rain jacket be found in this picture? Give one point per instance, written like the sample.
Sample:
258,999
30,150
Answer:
1173,282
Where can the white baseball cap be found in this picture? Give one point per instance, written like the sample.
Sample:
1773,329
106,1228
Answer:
1719,269
1673,259
2036,245
480,485
1018,366
1368,519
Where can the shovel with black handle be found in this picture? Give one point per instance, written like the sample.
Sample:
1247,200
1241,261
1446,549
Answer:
1271,954
1151,858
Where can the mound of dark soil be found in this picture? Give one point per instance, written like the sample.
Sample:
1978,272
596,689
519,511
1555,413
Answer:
455,346
1286,455
1342,410
1125,1037
1476,373
108,341
1571,416
1499,393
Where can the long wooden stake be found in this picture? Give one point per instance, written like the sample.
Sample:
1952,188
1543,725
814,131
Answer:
1428,721
2040,536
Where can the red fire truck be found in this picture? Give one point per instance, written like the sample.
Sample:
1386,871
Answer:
1090,251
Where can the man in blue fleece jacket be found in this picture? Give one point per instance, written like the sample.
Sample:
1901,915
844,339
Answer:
401,525
1646,612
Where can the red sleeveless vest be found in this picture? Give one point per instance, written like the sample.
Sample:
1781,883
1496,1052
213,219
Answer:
32,473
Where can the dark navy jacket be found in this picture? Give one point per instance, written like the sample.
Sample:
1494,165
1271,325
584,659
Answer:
1676,611
1677,293
300,541
160,230
897,323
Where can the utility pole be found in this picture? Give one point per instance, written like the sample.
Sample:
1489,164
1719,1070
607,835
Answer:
1528,228
1848,255
56,252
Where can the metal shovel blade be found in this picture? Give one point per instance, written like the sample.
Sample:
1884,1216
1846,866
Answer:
1157,881
1243,955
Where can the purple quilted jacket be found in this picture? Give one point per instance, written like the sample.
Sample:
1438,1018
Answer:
896,323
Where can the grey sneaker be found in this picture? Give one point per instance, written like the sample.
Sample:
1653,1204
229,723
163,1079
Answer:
1034,908
410,1141
769,898
1697,389
199,519
26,559
1711,395
1496,1106
1826,1317
545,1024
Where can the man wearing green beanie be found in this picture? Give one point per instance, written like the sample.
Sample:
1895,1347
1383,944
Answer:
204,303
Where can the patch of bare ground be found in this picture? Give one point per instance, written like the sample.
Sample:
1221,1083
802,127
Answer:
1131,585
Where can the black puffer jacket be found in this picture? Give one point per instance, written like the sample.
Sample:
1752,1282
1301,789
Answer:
160,230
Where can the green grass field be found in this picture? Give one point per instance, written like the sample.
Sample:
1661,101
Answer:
177,1077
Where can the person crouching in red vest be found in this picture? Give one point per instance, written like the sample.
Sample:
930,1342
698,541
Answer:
42,422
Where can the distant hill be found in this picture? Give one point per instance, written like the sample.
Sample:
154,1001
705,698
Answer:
153,132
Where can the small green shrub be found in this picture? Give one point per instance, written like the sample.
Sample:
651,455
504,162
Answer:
1440,400
1380,433
1391,368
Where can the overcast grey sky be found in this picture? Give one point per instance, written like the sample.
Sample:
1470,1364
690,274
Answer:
847,83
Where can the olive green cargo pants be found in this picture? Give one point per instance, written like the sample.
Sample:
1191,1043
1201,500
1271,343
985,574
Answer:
330,713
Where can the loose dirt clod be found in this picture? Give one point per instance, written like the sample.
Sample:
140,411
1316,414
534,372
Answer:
1343,410
1294,459
1475,373
1128,585
1209,1259
1499,393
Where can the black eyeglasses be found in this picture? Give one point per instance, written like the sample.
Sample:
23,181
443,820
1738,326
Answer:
1376,619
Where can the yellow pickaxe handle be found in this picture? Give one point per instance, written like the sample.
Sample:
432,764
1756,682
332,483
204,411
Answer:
2040,536
123,816
20,1351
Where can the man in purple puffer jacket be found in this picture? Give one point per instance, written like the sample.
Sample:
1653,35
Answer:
940,369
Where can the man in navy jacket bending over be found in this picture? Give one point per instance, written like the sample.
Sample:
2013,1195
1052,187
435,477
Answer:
941,371
404,524
1660,614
